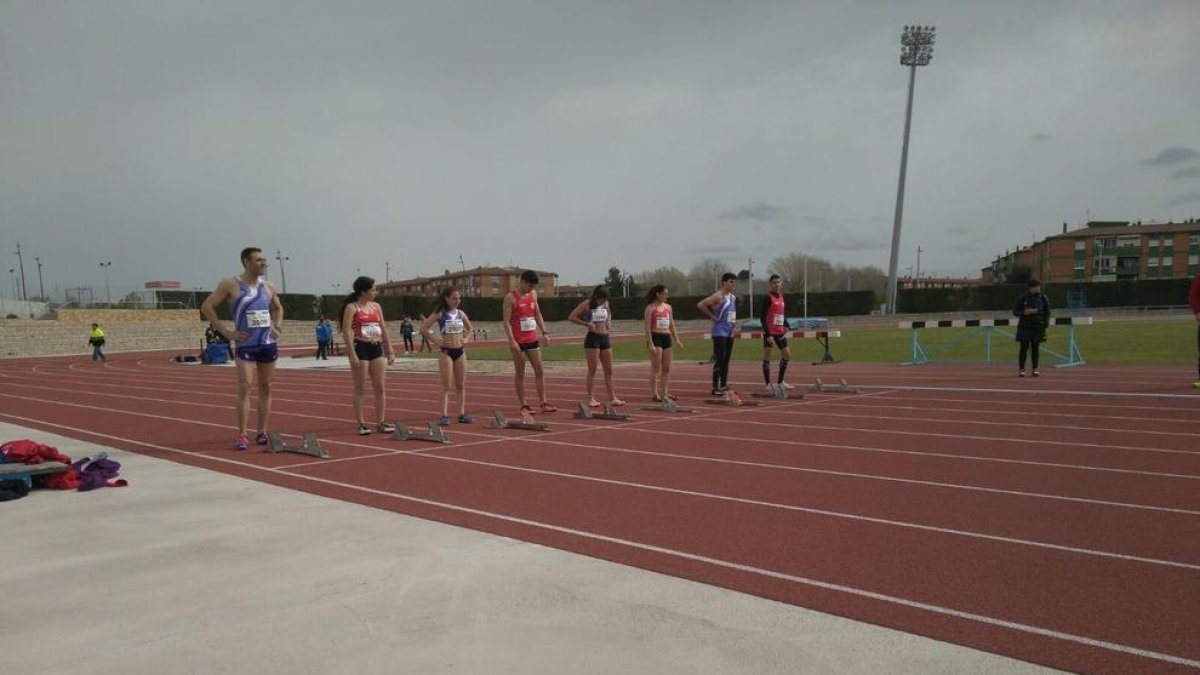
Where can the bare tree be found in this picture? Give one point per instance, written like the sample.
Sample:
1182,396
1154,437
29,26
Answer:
705,276
671,277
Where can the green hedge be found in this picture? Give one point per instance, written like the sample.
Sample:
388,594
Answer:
1147,293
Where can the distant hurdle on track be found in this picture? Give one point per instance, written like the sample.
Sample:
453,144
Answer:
921,355
822,337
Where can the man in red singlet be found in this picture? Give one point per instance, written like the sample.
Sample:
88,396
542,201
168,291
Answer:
774,321
522,322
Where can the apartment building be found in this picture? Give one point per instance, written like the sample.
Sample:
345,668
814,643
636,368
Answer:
1107,251
480,282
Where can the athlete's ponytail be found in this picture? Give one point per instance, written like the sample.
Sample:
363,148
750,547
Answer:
360,286
652,295
599,294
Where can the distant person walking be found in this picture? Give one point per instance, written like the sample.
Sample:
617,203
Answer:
324,338
721,307
96,340
455,328
659,323
364,333
257,317
1033,312
406,332
426,346
1194,303
774,322
594,314
522,322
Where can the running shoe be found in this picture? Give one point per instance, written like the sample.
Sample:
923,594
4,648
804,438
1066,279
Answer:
241,443
786,385
1021,373
363,430
444,420
1036,374
465,419
386,427
528,409
616,403
262,438
547,408
656,398
593,403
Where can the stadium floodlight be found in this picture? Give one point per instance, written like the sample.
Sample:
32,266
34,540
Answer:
916,50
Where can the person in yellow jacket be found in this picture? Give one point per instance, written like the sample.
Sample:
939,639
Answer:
96,340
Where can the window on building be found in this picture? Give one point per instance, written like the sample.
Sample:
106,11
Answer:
1080,244
1193,239
1152,262
1079,264
1194,259
1106,242
1168,240
1129,240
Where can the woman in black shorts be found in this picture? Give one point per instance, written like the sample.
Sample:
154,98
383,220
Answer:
659,325
594,313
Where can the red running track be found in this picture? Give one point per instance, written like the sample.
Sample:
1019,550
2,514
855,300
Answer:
1053,520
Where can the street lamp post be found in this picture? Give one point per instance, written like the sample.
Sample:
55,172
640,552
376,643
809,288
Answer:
750,279
916,50
41,286
21,264
107,289
282,274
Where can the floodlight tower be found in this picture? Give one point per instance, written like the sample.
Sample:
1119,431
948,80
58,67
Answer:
916,50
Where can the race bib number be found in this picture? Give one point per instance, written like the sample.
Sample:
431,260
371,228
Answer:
371,330
731,317
453,327
600,315
258,318
662,324
528,324
777,320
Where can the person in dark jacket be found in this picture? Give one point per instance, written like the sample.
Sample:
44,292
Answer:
1033,312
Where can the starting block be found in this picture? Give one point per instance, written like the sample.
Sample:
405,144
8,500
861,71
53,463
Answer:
842,387
730,398
526,422
310,445
433,434
610,413
775,391
668,405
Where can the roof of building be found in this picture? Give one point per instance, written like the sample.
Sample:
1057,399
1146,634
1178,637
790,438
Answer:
1102,228
498,271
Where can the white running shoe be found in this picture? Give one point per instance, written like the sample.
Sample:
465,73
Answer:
785,385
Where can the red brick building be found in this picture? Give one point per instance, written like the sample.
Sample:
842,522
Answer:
480,282
1107,251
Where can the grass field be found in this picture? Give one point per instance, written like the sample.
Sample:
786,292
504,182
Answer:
1116,341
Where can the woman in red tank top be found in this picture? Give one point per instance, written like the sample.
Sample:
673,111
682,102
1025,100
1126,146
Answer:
660,334
365,334
522,322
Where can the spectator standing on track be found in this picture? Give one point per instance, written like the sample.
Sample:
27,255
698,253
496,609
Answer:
721,307
406,332
1194,303
257,317
659,323
595,315
324,338
774,322
522,321
455,328
96,340
364,333
1033,310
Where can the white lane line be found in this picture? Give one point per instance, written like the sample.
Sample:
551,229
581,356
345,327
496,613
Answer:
921,453
715,562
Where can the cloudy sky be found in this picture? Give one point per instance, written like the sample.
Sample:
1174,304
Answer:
574,136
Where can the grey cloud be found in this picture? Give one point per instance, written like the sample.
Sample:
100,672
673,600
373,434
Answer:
1041,138
1185,198
958,230
760,212
1188,172
714,251
1172,155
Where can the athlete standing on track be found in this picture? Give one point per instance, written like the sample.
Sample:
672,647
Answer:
774,321
659,322
456,329
721,308
522,321
257,317
594,313
365,335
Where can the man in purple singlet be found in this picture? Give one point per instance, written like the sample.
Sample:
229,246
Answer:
257,317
